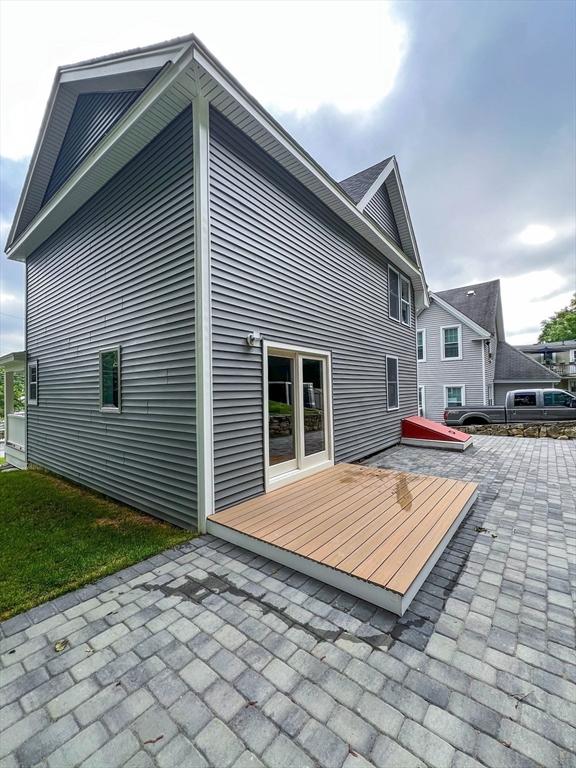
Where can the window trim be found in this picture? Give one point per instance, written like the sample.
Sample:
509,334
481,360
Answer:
454,386
422,387
442,345
423,332
409,302
397,406
32,364
390,315
110,408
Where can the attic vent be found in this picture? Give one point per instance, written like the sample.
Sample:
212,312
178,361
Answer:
470,293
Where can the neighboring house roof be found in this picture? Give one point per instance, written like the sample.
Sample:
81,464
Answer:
513,365
479,302
357,185
548,346
171,75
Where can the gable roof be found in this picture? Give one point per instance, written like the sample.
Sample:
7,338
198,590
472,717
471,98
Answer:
176,73
481,306
357,185
363,186
513,365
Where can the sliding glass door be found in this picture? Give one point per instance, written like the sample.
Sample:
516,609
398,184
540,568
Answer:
298,421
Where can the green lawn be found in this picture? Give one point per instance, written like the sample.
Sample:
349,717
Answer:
2,460
57,537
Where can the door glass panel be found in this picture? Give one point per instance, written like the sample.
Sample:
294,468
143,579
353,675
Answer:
313,400
281,409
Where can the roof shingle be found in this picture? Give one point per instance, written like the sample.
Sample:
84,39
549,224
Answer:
357,185
481,306
513,365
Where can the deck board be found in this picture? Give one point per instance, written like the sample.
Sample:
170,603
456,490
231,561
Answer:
376,525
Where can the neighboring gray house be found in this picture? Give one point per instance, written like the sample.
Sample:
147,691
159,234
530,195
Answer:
559,357
209,315
463,358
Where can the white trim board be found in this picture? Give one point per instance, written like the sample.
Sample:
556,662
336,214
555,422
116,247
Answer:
203,312
372,593
444,445
380,179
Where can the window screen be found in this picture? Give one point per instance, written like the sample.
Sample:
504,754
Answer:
110,379
392,382
454,397
451,342
33,383
394,294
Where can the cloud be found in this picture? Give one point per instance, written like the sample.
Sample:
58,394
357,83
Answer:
291,56
525,306
483,132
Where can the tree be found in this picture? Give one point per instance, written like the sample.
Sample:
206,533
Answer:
562,325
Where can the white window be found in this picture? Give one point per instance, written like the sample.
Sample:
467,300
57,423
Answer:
399,301
451,342
454,396
421,345
393,294
33,383
110,383
405,307
392,388
421,401
573,355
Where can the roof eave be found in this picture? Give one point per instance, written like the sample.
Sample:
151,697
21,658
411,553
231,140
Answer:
194,51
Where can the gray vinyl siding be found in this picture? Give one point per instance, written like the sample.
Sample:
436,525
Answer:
93,116
121,272
380,209
435,372
286,266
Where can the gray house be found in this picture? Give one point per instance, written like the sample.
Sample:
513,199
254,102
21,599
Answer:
463,357
209,315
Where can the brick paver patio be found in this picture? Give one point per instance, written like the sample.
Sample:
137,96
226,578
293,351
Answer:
209,656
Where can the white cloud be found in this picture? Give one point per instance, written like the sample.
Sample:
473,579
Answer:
293,56
536,234
528,299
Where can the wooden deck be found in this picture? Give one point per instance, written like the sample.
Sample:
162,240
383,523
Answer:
375,533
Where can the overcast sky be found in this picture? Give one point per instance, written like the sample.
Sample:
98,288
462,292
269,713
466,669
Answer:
476,99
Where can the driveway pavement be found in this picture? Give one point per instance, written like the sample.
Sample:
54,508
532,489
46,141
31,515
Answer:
208,655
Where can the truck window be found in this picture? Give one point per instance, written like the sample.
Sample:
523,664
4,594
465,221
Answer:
524,399
558,399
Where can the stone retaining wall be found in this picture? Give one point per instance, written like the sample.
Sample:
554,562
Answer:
280,425
560,430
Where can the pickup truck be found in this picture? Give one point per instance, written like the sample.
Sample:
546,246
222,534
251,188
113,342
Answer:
521,405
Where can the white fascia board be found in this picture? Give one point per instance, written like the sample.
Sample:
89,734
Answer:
80,75
43,224
32,165
380,179
482,332
407,213
121,65
363,225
